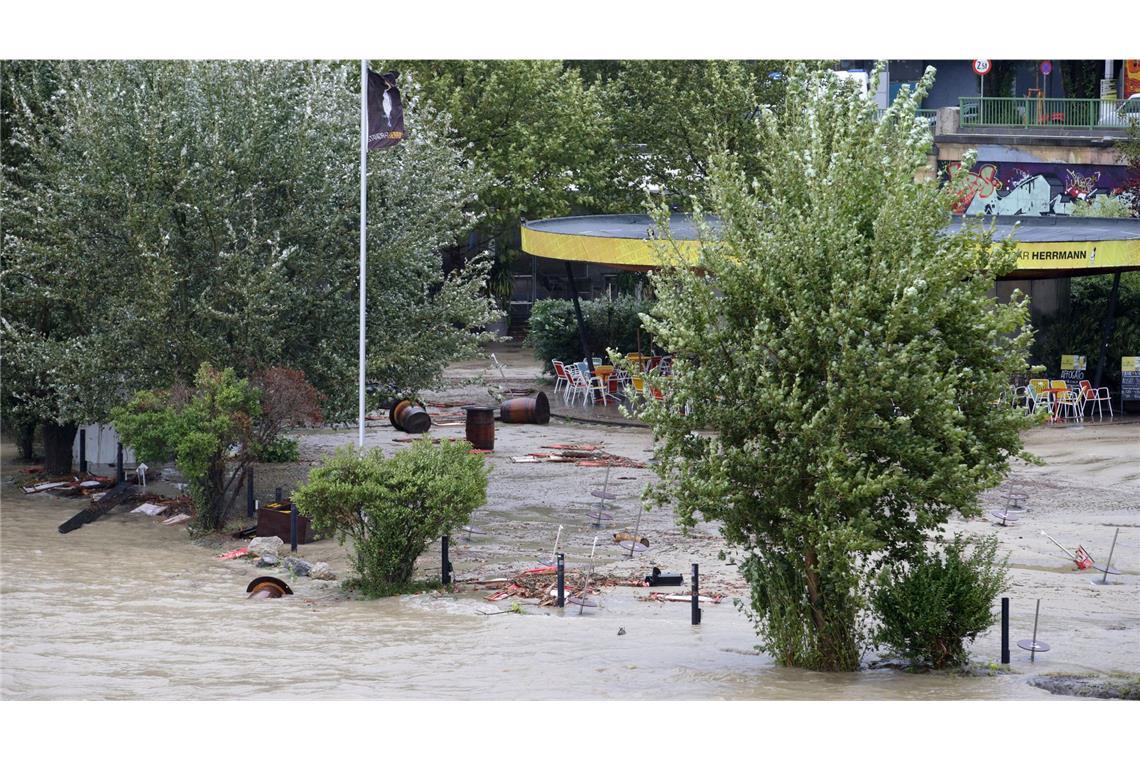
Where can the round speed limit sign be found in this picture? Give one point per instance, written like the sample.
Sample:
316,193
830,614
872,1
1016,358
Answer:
982,66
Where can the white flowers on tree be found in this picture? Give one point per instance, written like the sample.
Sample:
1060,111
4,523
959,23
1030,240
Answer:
165,213
846,357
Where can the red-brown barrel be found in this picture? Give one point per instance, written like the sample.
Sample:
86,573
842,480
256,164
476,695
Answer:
409,417
481,427
532,411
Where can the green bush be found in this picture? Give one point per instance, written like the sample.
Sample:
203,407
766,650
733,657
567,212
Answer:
392,508
199,428
929,611
280,449
610,323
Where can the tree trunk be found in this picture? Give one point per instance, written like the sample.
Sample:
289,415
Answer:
58,440
26,440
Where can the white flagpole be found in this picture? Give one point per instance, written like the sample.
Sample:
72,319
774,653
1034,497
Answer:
363,229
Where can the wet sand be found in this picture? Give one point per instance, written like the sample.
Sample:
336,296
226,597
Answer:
126,608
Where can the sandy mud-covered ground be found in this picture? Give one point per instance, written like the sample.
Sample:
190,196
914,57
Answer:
128,608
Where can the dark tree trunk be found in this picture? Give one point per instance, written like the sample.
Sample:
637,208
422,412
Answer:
26,440
58,440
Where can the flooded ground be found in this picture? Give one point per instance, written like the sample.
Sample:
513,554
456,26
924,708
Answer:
127,608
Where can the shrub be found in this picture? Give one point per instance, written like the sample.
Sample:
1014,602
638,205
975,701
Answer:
930,610
280,449
198,427
610,323
392,508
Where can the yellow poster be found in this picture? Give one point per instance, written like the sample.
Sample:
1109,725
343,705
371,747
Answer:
1130,364
1073,361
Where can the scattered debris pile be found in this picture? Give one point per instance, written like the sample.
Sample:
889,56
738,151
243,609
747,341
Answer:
581,454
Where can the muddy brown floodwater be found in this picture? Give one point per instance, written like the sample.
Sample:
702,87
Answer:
128,608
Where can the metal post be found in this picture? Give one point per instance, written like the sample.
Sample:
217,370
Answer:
1108,564
561,602
1005,630
1107,326
363,244
446,562
83,449
1036,612
119,476
696,609
277,495
581,322
249,502
293,529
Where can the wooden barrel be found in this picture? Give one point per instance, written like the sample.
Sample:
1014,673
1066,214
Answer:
267,587
532,411
481,427
409,417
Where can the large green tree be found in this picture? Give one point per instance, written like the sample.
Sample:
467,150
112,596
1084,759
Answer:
839,365
163,214
671,117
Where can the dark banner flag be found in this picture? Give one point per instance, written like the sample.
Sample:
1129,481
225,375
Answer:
385,111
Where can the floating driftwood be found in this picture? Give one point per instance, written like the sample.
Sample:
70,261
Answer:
111,499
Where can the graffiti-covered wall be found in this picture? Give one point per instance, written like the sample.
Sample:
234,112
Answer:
1032,189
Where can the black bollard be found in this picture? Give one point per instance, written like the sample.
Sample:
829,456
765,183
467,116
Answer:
83,449
119,476
250,504
1005,630
561,580
696,595
293,529
446,562
277,496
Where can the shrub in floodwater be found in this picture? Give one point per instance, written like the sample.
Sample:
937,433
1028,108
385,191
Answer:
393,507
929,610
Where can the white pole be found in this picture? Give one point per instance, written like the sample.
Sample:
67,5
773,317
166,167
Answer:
363,229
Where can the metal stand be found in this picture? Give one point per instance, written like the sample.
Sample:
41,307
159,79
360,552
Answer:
1005,630
293,529
1004,518
603,495
1033,646
553,554
446,570
634,544
696,602
561,598
582,600
469,531
1108,569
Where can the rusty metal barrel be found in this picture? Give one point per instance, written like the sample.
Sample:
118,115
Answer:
409,417
481,427
531,411
267,587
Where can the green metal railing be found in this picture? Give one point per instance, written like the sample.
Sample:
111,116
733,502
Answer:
1056,113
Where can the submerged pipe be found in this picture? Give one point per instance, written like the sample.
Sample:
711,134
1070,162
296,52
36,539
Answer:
267,587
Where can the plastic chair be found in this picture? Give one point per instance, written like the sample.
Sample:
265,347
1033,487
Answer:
1098,395
561,379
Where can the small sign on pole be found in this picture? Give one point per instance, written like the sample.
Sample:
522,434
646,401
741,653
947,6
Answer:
982,67
1046,67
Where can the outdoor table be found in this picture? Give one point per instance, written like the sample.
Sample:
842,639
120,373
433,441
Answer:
1056,408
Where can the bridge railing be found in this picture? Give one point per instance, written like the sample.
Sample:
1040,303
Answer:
1045,113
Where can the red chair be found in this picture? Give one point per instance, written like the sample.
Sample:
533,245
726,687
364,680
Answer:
1096,395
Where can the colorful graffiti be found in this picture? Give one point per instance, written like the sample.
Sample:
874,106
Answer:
1027,189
